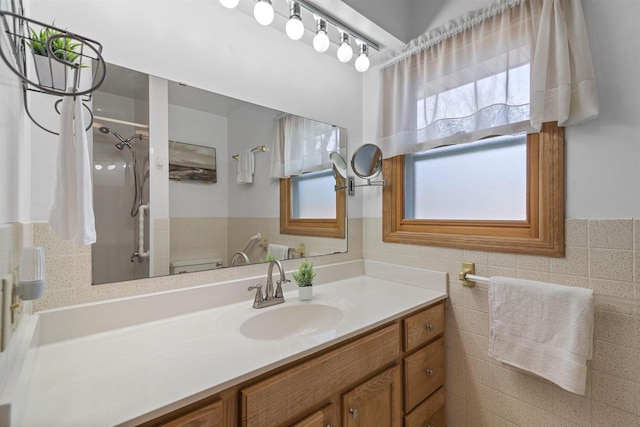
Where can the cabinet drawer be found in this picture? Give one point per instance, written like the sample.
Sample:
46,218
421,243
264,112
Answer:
208,416
428,413
424,326
322,418
423,373
294,392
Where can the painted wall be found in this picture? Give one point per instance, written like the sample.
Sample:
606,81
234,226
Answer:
14,148
192,198
602,155
250,126
601,254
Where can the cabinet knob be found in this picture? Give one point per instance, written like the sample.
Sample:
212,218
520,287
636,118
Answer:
354,413
429,327
430,372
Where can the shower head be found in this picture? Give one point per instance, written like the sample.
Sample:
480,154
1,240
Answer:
122,142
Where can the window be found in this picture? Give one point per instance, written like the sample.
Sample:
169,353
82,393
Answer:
310,206
491,174
535,225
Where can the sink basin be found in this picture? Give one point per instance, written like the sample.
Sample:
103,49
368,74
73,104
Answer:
292,320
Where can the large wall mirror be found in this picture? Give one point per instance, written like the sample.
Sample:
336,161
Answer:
214,199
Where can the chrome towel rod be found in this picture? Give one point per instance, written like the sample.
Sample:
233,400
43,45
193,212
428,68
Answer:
258,148
467,277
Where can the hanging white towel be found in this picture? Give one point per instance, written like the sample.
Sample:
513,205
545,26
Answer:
542,328
71,215
245,167
280,251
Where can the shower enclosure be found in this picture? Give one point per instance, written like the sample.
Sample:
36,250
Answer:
120,183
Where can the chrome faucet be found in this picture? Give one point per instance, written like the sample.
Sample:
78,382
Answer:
242,255
270,297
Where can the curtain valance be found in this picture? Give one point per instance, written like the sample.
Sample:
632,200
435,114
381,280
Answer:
501,70
302,145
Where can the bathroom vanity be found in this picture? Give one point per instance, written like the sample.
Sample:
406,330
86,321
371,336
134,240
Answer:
368,347
392,374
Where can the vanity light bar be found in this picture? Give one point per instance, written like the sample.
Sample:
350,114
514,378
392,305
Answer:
338,24
264,12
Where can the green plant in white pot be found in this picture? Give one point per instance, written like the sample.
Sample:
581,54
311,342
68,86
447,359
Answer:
304,278
52,73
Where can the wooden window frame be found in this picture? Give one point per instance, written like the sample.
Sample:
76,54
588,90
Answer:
320,227
541,233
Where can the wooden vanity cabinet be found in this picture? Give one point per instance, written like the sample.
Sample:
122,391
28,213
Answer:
324,417
424,368
208,416
376,402
389,377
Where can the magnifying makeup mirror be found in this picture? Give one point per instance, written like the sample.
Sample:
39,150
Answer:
339,164
367,161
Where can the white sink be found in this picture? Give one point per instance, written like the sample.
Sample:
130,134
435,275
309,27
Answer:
292,320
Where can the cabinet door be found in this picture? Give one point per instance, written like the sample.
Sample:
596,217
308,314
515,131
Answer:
323,418
375,403
208,416
293,393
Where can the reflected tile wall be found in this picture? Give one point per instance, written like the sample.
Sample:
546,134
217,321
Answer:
198,238
603,255
69,271
241,230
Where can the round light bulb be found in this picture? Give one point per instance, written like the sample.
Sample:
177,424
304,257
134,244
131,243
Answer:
345,52
230,4
321,42
263,12
362,63
294,28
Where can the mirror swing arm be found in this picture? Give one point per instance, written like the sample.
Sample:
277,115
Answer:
366,164
351,185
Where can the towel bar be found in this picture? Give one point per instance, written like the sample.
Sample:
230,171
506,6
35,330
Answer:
467,277
258,148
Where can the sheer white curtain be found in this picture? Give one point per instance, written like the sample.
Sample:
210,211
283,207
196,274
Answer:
498,71
301,145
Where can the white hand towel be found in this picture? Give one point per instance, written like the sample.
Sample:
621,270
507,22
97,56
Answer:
280,251
71,215
542,328
245,167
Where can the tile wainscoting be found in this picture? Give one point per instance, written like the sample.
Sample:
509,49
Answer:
603,255
69,270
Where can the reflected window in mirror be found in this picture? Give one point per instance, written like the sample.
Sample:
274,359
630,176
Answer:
300,197
310,205
313,195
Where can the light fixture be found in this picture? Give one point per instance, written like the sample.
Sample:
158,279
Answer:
229,4
362,61
32,273
98,167
345,52
321,39
263,12
295,27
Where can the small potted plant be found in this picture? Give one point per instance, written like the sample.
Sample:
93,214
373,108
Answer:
52,73
304,278
270,257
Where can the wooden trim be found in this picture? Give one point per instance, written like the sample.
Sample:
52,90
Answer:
331,227
542,233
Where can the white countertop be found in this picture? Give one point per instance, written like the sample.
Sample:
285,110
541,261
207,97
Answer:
133,374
